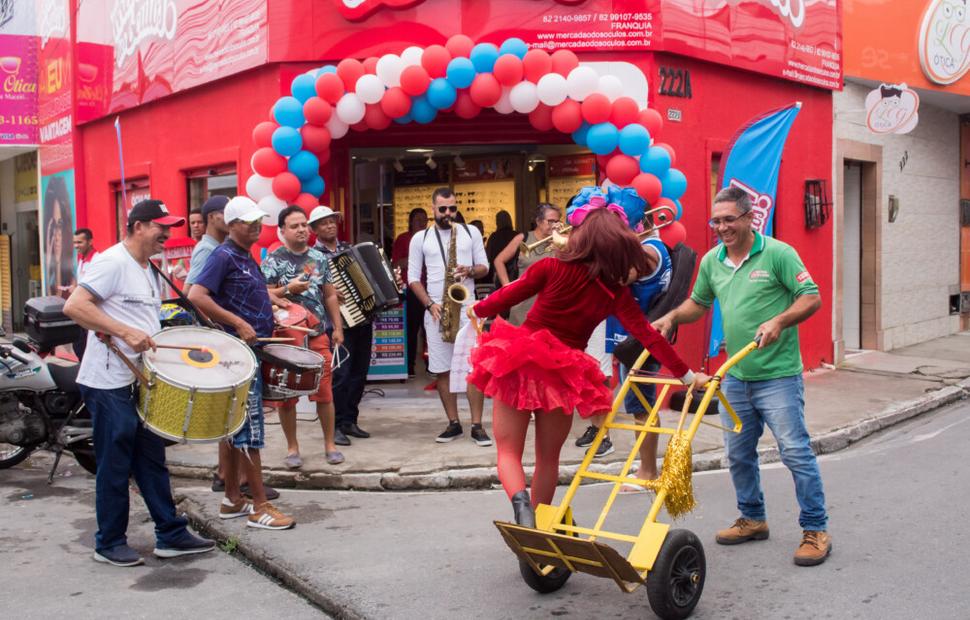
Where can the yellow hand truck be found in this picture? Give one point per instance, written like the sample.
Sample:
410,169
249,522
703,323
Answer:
669,562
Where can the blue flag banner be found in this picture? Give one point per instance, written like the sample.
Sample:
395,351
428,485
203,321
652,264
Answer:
752,164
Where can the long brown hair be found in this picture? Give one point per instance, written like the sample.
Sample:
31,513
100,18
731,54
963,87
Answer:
607,247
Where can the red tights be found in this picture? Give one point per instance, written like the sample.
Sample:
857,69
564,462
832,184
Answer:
509,426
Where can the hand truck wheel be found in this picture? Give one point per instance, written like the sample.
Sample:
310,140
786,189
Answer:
544,584
675,584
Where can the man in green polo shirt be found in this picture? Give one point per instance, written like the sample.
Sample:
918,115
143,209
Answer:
764,290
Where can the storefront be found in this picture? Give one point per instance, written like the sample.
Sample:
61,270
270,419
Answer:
187,96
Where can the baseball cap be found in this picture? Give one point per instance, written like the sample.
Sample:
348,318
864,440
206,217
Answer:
321,212
244,209
213,205
151,210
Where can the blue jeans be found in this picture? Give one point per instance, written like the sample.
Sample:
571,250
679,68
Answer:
123,447
632,404
253,432
779,403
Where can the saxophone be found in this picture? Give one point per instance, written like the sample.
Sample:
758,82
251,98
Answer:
454,294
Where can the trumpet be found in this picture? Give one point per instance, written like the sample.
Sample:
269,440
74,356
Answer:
458,293
560,235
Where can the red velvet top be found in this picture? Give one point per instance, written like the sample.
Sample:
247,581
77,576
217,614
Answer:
570,305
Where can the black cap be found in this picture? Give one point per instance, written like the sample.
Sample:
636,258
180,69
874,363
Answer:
154,211
214,204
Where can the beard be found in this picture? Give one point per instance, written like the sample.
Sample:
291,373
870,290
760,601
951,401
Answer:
444,222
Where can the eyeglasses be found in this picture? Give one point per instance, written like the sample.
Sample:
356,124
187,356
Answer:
556,221
714,222
451,209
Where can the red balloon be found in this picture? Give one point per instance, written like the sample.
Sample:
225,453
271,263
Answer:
625,111
273,246
652,120
648,187
315,139
563,61
375,117
621,169
535,64
567,116
395,102
317,111
415,80
435,59
268,163
485,90
286,186
673,234
370,65
464,106
323,156
597,108
662,217
307,202
361,126
267,236
460,45
350,70
541,117
508,70
263,133
669,149
330,87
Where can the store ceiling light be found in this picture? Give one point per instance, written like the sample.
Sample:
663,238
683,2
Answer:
416,150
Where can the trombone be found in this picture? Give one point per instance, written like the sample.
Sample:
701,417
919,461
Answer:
664,216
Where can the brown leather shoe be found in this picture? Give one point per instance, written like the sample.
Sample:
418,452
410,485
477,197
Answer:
743,530
815,547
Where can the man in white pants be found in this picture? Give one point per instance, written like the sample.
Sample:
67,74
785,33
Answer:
429,250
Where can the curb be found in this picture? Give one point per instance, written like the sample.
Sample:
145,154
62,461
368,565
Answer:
487,477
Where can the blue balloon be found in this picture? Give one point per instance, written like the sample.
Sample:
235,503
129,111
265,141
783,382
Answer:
656,161
441,93
286,141
404,120
302,87
579,136
422,111
680,210
314,186
288,111
673,184
634,140
326,69
483,56
515,46
602,138
304,165
460,72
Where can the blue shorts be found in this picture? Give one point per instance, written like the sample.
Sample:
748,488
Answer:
632,404
252,434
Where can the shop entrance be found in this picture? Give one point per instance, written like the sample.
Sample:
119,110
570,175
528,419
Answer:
858,264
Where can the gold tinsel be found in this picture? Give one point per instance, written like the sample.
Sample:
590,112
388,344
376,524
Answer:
677,477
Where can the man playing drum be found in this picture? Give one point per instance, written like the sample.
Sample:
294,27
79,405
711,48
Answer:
231,291
301,273
119,296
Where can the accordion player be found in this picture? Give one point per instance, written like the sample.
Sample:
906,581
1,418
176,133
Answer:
364,279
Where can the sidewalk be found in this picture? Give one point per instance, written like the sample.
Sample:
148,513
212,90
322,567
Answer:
870,391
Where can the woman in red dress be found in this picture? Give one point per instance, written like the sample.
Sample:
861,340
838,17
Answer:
541,367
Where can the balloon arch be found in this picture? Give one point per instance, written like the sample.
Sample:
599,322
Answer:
461,77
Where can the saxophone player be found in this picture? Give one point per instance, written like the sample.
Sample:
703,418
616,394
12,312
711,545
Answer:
450,253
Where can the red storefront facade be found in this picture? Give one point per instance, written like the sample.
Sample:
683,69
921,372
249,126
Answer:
177,126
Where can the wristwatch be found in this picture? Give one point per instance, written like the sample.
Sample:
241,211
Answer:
428,307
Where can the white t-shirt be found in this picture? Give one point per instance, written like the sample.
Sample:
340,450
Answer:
128,293
425,251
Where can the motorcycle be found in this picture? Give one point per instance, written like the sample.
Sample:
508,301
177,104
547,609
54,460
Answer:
41,409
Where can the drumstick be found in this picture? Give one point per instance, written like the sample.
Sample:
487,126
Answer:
297,328
180,347
275,339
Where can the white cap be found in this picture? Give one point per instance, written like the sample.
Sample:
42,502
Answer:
242,208
321,212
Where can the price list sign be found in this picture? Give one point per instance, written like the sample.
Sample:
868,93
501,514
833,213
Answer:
388,359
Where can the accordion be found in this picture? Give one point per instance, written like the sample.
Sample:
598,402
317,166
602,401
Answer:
364,279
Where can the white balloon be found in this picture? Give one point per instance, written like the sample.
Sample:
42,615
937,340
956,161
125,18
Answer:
412,55
338,129
389,69
504,105
611,86
524,97
271,206
369,88
350,109
258,187
551,89
581,83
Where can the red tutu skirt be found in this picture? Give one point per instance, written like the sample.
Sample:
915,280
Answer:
535,371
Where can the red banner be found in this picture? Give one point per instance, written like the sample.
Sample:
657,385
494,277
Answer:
55,120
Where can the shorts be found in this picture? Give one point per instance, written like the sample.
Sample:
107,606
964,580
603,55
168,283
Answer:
439,351
320,345
596,348
251,435
632,404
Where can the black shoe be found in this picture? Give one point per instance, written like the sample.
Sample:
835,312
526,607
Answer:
522,508
218,484
606,447
452,432
271,493
355,431
479,436
587,438
122,555
187,544
339,438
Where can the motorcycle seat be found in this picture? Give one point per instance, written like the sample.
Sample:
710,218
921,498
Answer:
65,377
